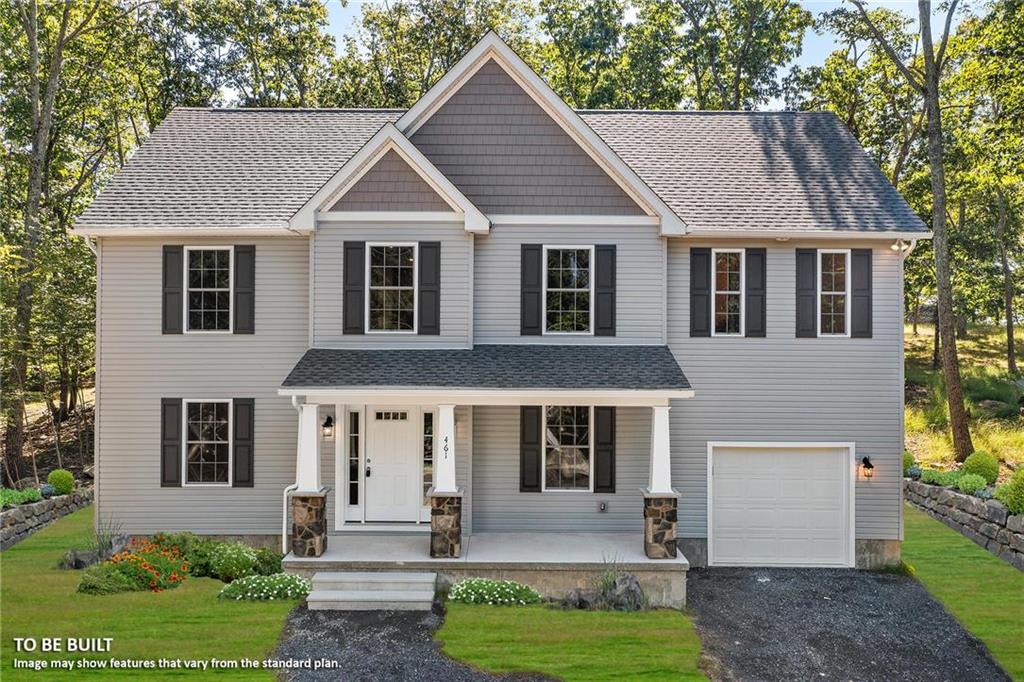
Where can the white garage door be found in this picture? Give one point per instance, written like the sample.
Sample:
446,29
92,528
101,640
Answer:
780,506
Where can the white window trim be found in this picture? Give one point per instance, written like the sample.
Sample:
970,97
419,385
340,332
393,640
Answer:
184,443
415,290
846,310
544,451
231,291
544,292
742,292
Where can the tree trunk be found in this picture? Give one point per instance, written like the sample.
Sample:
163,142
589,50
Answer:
917,312
1004,262
936,357
962,444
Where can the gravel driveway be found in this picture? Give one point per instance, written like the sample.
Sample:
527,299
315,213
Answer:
373,645
823,624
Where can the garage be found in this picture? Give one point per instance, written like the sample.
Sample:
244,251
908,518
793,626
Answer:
786,504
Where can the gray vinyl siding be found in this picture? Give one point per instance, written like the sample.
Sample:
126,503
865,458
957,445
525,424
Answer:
139,366
639,293
785,389
456,285
391,185
501,507
507,155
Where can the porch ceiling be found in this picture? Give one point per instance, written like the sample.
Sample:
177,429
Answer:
492,368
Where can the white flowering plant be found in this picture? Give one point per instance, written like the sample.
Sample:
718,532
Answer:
493,592
267,587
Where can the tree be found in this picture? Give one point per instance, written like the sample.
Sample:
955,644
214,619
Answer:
927,82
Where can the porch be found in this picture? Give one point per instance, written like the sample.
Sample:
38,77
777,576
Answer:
553,563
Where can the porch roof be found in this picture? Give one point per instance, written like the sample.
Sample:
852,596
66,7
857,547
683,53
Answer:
509,367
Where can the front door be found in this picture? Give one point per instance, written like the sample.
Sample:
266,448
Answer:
393,474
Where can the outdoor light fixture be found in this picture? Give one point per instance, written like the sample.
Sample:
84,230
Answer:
901,246
867,469
329,427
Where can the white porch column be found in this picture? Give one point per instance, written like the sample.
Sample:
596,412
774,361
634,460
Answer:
444,458
660,481
307,463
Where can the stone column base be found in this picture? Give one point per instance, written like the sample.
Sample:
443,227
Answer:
660,520
309,524
445,525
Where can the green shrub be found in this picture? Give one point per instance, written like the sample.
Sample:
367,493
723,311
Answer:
181,542
267,587
1011,493
908,461
150,566
106,578
62,481
10,497
268,562
983,464
200,557
232,560
494,592
943,478
971,483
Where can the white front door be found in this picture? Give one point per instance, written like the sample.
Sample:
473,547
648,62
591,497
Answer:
393,469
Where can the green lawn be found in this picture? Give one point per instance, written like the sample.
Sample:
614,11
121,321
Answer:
573,645
984,592
39,600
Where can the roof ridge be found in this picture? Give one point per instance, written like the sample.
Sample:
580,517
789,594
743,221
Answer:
260,110
702,112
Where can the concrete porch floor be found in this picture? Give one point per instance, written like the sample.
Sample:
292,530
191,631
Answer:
553,563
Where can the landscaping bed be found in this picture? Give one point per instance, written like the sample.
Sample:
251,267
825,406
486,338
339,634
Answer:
187,622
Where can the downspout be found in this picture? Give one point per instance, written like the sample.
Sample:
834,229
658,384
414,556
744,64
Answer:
284,502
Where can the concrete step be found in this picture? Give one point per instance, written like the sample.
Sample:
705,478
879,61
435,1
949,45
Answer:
371,600
373,580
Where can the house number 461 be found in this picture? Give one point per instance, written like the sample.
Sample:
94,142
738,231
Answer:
445,447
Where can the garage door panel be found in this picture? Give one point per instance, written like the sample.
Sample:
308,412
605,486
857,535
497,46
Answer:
780,506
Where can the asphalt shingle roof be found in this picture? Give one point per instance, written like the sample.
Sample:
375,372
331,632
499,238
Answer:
719,171
492,366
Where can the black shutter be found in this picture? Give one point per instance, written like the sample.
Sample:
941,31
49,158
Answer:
243,428
531,290
700,292
756,278
245,289
860,287
353,268
170,442
173,283
530,443
604,449
806,293
429,314
604,290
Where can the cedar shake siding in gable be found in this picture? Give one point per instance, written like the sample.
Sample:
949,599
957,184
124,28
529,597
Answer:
782,388
508,156
138,366
391,185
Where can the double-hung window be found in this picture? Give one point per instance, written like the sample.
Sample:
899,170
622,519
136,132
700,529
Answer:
727,291
207,442
208,288
567,448
391,287
833,292
568,282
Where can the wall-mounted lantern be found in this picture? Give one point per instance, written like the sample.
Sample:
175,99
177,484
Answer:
328,427
867,469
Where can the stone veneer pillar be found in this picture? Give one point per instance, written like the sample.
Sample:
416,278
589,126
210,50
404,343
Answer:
445,525
309,524
660,521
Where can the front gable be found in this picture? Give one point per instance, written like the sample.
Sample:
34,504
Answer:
391,184
509,156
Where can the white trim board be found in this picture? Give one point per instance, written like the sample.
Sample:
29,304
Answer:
851,488
492,47
423,395
388,138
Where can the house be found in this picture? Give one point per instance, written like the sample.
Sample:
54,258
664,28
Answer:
491,333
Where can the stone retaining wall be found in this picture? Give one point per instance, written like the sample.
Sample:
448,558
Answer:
986,522
17,523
